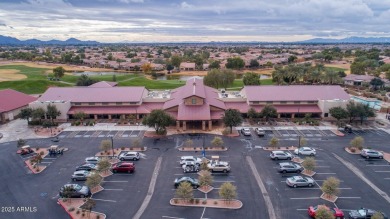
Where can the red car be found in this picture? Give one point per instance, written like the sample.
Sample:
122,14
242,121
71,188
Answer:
336,212
123,167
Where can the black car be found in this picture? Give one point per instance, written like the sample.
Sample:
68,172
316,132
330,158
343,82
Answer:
87,167
194,182
288,167
75,191
364,213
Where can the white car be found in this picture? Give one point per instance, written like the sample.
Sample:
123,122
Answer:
305,151
92,160
131,155
246,131
185,159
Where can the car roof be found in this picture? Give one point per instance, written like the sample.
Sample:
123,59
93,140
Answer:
297,177
186,157
131,152
277,151
80,171
286,163
92,158
246,129
306,148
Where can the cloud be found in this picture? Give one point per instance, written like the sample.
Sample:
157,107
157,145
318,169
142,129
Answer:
186,5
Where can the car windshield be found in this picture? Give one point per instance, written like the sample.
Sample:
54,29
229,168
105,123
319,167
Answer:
362,212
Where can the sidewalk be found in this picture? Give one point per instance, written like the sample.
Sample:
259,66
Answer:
16,129
103,127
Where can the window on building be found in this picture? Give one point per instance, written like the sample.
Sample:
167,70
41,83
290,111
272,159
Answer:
193,100
311,101
297,102
118,103
326,115
283,102
270,102
105,104
133,102
255,102
77,104
91,104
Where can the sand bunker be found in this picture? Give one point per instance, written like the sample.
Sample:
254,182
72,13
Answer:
11,75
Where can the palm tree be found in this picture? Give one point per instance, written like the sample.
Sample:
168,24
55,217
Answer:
331,77
278,75
315,76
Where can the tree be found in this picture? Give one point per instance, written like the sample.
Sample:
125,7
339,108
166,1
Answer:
205,178
198,62
324,213
330,187
292,59
273,142
59,72
376,82
80,115
357,142
52,112
110,57
358,68
309,163
105,145
38,113
67,193
254,63
146,68
170,67
352,111
93,180
251,78
268,112
363,111
228,191
235,63
203,164
84,80
103,165
232,117
338,113
215,65
184,191
21,142
176,61
158,119
89,205
252,114
377,215
114,78
26,113
217,141
219,78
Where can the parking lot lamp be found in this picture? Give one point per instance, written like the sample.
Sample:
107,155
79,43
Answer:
112,146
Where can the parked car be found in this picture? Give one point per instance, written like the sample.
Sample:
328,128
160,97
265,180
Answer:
127,167
92,160
194,159
87,167
194,182
24,150
305,151
129,156
219,166
260,132
246,131
280,155
289,167
364,213
299,181
190,166
337,213
76,191
80,175
56,139
368,153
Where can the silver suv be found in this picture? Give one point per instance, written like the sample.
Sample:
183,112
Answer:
289,167
280,155
368,153
129,156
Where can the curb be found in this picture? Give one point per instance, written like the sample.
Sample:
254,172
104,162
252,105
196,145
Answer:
70,215
171,202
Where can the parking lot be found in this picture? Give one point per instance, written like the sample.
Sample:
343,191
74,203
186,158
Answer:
100,134
124,193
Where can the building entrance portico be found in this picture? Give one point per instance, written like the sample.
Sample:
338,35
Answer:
194,125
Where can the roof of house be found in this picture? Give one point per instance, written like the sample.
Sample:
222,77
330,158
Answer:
104,84
353,77
295,93
93,94
187,65
12,99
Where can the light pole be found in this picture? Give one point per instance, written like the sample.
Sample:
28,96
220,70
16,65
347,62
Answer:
112,146
203,150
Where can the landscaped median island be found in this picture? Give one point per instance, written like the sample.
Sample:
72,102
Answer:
80,208
216,145
107,149
207,202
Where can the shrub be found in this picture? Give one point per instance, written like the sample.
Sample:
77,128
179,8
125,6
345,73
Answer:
204,201
123,148
196,201
83,214
71,209
225,131
192,200
78,212
352,149
41,153
215,202
175,201
331,186
98,216
357,142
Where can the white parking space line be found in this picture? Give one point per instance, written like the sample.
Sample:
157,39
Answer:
315,188
349,197
116,181
386,178
46,162
104,200
305,198
173,217
204,209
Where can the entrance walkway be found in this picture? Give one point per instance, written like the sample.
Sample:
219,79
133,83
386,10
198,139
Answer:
16,129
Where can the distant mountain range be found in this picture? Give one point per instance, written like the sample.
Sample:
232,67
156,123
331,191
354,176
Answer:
5,40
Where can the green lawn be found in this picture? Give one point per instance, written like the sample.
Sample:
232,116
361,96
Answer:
336,69
152,84
30,72
31,86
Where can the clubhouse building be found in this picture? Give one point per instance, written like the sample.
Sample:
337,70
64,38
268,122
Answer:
193,104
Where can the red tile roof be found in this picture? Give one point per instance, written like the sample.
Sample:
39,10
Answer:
94,94
12,99
295,93
193,112
98,110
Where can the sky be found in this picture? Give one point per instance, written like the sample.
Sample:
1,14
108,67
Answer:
193,20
